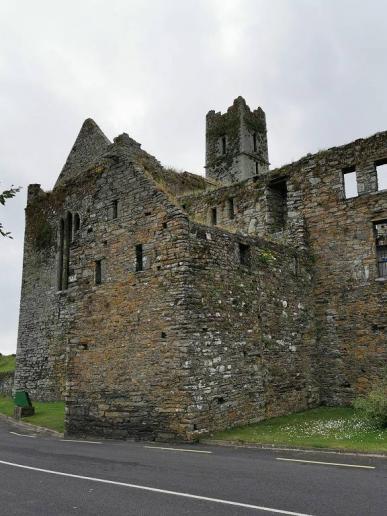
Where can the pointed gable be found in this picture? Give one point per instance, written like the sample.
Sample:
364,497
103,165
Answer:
89,145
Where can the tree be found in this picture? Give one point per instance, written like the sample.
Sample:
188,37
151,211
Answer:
4,196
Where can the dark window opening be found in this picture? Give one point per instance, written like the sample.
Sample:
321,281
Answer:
381,174
350,182
244,255
277,199
164,225
255,142
163,335
224,145
68,231
60,254
256,168
231,208
98,272
139,258
214,216
77,223
220,400
380,229
184,206
115,208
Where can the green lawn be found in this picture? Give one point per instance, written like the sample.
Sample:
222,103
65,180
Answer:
7,363
48,414
323,427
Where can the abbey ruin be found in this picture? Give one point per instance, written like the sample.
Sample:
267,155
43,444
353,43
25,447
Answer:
167,305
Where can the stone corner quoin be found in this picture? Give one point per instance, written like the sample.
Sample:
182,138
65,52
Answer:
167,305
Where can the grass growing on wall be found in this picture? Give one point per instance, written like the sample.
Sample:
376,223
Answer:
7,363
48,414
323,427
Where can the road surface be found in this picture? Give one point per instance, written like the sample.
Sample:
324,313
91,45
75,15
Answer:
41,475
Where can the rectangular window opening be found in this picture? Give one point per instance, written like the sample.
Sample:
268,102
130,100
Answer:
214,216
350,182
139,258
115,209
98,272
224,145
244,255
381,174
277,203
256,168
231,208
380,229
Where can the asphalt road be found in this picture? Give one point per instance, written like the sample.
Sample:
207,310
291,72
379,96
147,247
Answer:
46,476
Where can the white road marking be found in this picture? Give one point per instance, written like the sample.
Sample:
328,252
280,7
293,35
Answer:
23,435
176,449
80,441
155,490
328,463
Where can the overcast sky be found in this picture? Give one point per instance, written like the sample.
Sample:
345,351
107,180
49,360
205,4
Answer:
153,68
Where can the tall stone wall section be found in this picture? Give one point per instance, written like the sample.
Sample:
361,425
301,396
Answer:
124,349
350,299
252,348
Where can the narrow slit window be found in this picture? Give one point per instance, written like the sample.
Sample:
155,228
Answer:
381,174
214,216
244,255
77,223
255,142
256,168
231,208
224,145
350,182
98,272
60,254
115,208
139,258
380,229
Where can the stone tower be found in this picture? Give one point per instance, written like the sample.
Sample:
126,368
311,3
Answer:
236,143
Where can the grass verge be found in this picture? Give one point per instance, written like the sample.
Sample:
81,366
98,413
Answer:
48,414
323,427
7,363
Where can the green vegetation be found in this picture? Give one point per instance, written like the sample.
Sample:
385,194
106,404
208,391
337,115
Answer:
7,363
323,427
373,406
48,414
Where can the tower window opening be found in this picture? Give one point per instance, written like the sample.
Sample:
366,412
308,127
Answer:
255,142
350,182
256,168
139,258
380,230
214,216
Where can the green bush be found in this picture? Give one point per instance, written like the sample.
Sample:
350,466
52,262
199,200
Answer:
374,405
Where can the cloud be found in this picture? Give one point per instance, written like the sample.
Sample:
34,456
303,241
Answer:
155,68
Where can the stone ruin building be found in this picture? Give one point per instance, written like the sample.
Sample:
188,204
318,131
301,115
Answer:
167,305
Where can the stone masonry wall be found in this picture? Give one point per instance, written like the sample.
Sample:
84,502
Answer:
252,348
6,383
123,356
350,300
